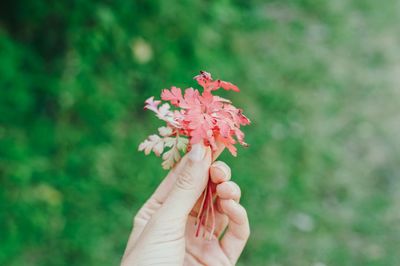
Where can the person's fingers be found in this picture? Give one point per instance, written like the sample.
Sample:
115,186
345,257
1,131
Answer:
228,190
151,206
160,194
167,224
238,231
190,182
205,252
220,172
221,223
224,191
156,199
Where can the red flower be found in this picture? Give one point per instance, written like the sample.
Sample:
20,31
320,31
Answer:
201,117
206,117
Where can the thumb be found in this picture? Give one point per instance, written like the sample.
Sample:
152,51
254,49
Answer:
191,180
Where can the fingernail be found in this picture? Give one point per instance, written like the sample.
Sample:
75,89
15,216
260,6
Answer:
197,152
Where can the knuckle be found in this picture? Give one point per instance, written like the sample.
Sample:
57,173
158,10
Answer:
137,220
236,189
239,193
243,215
246,232
185,180
154,203
246,225
223,167
141,217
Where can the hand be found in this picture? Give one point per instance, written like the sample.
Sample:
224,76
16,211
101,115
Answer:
164,228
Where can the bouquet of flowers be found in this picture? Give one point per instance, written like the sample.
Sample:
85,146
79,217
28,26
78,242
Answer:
196,117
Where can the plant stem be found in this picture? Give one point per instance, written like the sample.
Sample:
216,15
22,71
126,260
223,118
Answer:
212,213
206,210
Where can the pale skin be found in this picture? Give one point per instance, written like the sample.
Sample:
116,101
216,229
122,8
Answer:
164,228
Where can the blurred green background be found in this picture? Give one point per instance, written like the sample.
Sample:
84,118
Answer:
320,81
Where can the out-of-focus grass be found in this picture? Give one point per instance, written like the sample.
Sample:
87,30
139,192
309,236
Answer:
319,79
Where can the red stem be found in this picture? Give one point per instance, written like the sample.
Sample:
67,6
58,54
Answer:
206,210
212,213
201,214
201,207
207,203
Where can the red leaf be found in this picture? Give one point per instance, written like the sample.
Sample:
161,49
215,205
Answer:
174,95
228,86
202,117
